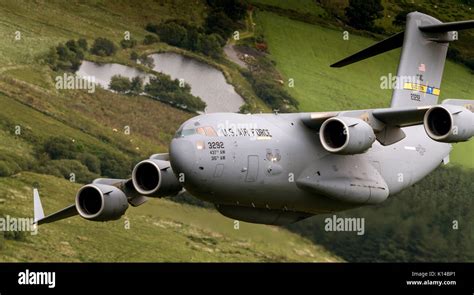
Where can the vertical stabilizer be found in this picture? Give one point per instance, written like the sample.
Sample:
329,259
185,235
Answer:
421,63
424,47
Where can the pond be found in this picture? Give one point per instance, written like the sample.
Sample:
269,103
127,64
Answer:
206,82
102,73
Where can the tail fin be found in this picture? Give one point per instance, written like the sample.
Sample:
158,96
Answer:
424,46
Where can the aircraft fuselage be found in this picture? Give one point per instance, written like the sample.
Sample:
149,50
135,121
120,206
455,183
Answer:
251,164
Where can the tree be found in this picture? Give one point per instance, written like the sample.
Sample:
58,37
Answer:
147,61
363,13
136,85
218,22
120,84
173,34
83,44
165,89
68,60
66,57
72,45
209,45
235,9
103,47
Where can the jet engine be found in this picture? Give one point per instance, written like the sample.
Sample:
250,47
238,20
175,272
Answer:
100,202
449,123
155,178
346,135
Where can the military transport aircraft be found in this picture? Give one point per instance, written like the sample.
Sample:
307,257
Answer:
281,168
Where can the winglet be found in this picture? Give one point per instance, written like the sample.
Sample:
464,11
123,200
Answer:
38,208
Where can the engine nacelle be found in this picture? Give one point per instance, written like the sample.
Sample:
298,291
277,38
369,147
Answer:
346,135
155,178
449,123
100,202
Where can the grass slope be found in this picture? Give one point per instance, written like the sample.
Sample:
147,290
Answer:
304,52
159,230
43,25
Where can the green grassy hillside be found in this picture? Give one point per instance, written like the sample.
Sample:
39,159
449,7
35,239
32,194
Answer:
43,25
304,52
159,230
33,111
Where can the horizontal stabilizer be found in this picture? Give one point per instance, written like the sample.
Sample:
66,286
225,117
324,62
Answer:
388,44
448,27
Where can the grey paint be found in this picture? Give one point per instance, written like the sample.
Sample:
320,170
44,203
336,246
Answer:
273,168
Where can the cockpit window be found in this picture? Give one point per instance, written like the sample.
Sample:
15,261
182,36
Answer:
205,131
200,131
210,131
185,132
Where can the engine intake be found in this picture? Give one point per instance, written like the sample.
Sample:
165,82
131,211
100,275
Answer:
449,123
155,178
346,136
101,202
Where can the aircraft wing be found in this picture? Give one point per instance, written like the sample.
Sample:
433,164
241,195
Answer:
385,122
396,117
61,214
125,185
401,117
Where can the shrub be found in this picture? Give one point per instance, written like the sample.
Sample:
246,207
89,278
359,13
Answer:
170,91
66,57
362,13
16,235
65,168
147,61
83,44
234,9
92,162
115,165
120,84
59,148
209,45
134,55
136,85
470,63
173,34
5,169
218,22
128,43
152,28
150,39
103,47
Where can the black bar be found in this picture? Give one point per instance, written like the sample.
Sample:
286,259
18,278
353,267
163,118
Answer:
379,278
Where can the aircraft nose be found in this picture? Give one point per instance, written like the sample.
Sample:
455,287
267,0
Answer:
182,156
